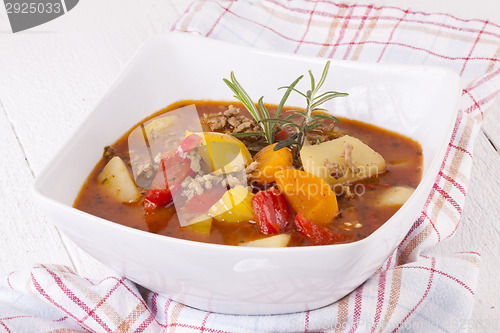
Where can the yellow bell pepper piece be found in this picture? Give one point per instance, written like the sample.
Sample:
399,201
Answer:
234,206
201,224
223,152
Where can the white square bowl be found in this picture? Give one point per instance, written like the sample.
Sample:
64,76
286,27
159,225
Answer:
420,102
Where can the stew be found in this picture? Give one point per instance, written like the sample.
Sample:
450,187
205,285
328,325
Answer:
211,180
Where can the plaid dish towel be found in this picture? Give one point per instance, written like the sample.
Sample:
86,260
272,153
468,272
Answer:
414,291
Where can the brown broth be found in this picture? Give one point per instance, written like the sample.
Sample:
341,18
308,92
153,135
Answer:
404,168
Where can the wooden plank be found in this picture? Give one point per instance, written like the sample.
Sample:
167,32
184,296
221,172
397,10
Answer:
26,237
491,125
4,22
54,74
80,66
169,10
85,265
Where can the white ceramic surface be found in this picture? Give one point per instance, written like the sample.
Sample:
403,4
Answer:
420,102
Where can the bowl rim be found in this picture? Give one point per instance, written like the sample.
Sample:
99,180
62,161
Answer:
37,187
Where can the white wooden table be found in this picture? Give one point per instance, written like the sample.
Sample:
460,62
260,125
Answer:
52,75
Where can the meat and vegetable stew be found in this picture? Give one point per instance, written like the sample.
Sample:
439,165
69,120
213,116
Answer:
252,174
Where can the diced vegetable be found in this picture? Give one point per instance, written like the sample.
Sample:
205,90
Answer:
224,152
281,135
271,210
117,179
202,203
395,196
157,197
189,143
201,224
317,234
269,162
172,171
280,240
158,126
234,206
308,194
316,157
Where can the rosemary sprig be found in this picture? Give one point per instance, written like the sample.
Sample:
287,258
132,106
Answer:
308,119
259,112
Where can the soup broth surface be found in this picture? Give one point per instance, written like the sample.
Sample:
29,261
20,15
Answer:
359,216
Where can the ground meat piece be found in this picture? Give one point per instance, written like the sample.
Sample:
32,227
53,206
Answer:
347,192
243,126
326,132
199,184
343,191
231,111
109,152
215,121
317,138
348,158
197,187
252,167
234,121
321,134
256,128
230,121
232,181
328,128
195,159
148,168
334,169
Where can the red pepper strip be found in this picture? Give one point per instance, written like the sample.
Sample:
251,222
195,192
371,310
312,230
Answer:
189,143
271,210
202,203
317,234
157,197
177,166
281,135
161,190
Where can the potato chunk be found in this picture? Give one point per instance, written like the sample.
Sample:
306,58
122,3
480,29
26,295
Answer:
116,178
319,159
280,240
158,125
395,196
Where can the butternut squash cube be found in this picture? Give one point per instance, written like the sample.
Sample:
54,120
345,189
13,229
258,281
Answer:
308,194
269,162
